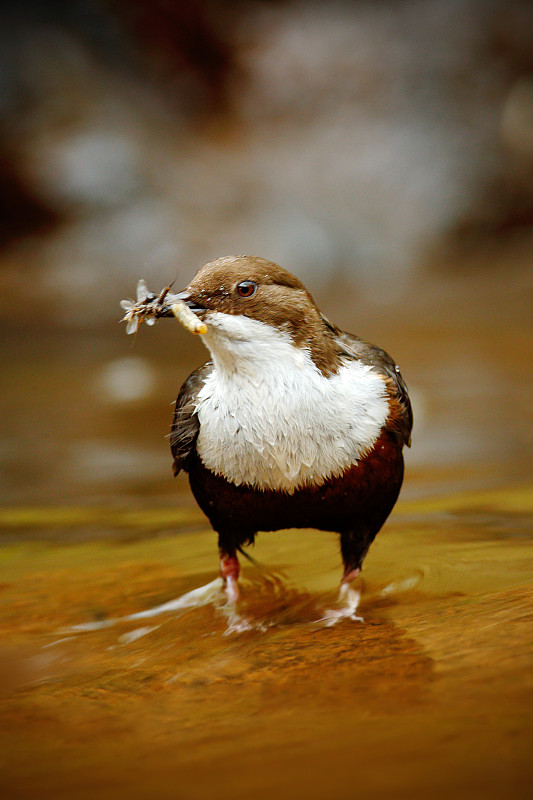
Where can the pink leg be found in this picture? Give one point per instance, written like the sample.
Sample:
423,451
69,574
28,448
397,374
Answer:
350,575
229,570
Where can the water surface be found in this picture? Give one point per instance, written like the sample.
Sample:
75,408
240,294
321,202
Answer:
429,694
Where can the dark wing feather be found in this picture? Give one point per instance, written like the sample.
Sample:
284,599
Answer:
185,425
378,359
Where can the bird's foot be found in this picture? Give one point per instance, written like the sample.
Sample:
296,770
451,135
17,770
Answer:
236,622
231,589
347,603
231,609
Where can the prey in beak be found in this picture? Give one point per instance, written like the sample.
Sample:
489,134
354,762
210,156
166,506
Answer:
149,307
185,312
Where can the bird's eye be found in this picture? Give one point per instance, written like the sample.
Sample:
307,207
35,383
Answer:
246,288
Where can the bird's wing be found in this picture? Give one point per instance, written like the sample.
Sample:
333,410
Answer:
401,416
186,425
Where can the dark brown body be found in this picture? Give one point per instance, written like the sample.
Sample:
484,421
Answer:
354,504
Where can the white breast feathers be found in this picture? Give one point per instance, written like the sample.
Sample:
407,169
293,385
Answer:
270,419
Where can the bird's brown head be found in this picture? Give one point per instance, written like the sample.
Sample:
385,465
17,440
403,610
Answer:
252,287
257,289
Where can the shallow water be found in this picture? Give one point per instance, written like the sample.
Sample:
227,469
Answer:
429,696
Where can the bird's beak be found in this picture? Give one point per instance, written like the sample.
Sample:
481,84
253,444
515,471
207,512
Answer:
189,301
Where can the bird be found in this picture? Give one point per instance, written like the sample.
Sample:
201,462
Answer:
291,423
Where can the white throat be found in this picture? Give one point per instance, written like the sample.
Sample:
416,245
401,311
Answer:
270,419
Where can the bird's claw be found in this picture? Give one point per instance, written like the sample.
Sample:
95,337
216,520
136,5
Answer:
332,616
348,603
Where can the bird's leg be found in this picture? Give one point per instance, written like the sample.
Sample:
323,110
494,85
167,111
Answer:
348,595
354,545
229,570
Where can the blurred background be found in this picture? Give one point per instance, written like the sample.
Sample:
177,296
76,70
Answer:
382,151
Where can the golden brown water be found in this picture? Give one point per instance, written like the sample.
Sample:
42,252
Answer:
430,696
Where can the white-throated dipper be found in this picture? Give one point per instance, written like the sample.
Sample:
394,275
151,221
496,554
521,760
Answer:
293,423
